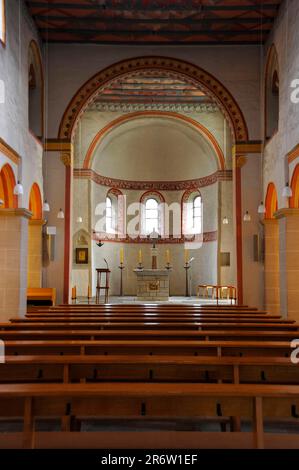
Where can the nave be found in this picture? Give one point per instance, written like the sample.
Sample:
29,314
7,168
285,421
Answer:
162,376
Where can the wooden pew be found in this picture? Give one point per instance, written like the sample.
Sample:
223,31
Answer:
39,295
70,369
150,347
207,334
144,316
147,402
141,324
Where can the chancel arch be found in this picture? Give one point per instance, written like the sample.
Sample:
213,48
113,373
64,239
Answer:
210,84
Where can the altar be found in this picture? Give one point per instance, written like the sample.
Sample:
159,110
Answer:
152,284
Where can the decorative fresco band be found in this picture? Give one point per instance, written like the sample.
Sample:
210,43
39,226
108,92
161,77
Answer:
103,237
220,175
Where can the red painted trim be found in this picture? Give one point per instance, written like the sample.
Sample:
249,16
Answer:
239,234
35,202
67,234
207,237
153,193
207,82
271,201
294,200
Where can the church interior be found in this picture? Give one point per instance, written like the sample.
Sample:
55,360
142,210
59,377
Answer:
149,224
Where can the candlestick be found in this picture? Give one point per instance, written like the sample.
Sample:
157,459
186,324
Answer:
187,290
74,293
88,293
121,256
121,267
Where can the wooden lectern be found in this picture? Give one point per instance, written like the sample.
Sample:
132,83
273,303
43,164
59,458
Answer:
106,273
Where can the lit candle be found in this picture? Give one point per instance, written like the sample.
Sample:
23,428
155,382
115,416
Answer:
140,257
121,255
167,257
186,256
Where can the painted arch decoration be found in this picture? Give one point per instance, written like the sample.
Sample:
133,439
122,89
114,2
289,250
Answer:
7,184
35,202
271,201
294,201
190,72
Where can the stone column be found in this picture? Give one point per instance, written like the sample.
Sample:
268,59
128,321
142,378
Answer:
272,288
239,162
13,262
289,262
35,231
67,160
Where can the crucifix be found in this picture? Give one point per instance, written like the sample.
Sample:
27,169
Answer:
153,236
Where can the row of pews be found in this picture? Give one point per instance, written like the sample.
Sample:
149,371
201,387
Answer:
186,376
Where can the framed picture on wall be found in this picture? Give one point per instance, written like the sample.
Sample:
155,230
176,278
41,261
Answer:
81,255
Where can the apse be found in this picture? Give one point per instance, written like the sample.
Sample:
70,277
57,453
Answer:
149,137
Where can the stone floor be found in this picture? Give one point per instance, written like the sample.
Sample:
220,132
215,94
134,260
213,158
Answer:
172,300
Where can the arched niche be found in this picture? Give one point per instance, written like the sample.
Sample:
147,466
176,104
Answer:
271,94
35,91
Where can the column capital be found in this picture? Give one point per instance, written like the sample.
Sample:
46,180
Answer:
269,221
37,222
20,212
240,161
286,212
66,158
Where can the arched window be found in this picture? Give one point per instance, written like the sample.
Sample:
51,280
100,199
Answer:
196,214
2,21
35,91
152,213
151,216
109,215
271,94
192,213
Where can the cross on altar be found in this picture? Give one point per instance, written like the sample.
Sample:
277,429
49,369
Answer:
154,236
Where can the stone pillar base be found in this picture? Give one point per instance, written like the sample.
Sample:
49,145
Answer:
13,262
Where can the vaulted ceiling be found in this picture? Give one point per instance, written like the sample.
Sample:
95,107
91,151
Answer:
154,21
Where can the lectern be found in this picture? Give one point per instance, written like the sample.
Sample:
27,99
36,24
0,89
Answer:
106,273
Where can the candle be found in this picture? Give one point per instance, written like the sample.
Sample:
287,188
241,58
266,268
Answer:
89,292
74,293
186,256
121,255
140,257
167,257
